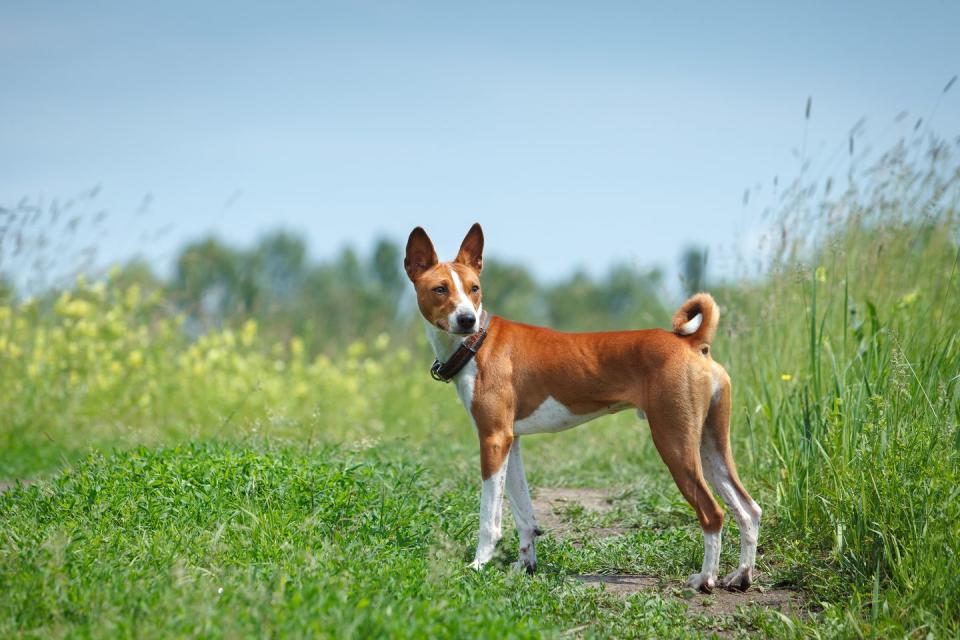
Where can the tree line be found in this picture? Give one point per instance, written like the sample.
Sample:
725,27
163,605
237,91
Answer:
353,296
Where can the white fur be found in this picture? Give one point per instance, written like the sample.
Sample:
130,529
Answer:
491,493
707,578
465,381
690,326
716,382
747,514
551,416
522,508
491,513
443,342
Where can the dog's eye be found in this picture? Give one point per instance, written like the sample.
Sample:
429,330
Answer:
440,290
475,288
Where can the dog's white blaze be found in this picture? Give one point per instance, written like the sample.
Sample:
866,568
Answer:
551,416
690,326
747,514
464,303
491,512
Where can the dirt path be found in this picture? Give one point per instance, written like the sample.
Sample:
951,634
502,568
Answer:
10,484
557,509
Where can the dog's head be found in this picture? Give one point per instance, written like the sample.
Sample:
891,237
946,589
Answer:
448,293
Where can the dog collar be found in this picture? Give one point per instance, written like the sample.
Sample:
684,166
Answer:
445,371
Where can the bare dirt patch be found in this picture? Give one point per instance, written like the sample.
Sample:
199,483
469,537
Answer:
551,503
552,506
720,602
10,484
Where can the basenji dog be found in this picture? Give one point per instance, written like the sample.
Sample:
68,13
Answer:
515,379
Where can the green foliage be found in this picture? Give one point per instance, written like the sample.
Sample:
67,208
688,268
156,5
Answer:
312,469
331,303
253,540
844,364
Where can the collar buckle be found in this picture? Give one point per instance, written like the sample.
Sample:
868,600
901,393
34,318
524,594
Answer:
435,372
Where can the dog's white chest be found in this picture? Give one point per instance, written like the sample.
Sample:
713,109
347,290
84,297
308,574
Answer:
550,417
465,382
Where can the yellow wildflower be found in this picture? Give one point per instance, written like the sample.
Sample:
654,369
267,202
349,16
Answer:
356,350
71,308
132,296
296,346
821,274
249,332
908,299
786,377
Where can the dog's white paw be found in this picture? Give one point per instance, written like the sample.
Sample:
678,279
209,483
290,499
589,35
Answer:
702,582
524,566
476,565
739,580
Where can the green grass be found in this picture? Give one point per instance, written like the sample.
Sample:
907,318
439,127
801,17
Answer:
231,540
339,497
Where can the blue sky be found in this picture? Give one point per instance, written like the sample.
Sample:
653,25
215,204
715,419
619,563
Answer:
579,134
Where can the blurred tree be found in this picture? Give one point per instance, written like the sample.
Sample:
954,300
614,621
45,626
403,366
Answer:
278,262
350,297
511,291
625,299
212,282
386,263
137,272
693,269
7,292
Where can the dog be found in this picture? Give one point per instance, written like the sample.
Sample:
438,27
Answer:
515,379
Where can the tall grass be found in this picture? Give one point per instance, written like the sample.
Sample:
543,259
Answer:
846,366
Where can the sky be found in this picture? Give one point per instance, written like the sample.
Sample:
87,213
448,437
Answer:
578,134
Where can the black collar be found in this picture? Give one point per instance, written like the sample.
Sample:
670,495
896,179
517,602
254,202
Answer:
445,371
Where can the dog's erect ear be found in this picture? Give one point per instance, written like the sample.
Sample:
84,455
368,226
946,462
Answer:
420,254
471,249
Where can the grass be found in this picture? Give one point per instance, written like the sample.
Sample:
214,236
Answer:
231,540
338,497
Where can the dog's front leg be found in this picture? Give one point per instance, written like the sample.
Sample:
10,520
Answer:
494,448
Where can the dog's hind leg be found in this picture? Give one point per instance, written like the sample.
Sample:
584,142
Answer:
522,508
721,472
676,435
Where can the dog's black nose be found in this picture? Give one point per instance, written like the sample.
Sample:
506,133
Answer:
466,320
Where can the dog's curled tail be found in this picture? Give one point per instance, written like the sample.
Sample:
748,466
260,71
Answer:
697,318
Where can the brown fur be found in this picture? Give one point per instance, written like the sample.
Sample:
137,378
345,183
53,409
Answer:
669,377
